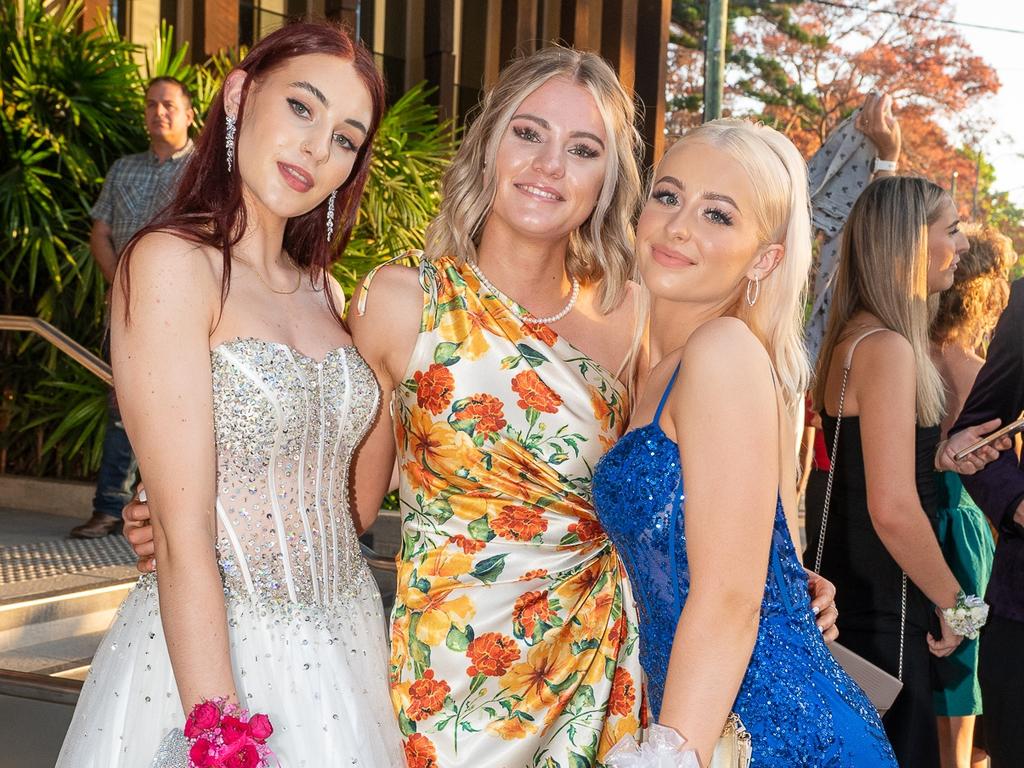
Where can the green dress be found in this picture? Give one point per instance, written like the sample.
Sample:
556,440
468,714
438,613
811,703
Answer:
967,543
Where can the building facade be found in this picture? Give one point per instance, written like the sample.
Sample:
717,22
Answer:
459,46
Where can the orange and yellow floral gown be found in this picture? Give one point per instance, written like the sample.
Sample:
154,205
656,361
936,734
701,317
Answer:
514,638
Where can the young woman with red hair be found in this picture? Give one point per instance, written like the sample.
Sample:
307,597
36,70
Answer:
244,400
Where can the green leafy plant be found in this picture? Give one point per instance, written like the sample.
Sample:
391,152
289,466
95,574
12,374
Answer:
411,151
71,102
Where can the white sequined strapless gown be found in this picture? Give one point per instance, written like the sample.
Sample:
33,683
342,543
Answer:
306,625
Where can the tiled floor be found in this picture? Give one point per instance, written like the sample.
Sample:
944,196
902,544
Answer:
42,559
36,557
17,527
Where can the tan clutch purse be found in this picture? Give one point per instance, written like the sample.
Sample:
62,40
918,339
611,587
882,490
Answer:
881,687
734,749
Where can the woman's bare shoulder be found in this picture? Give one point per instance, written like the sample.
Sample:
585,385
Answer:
170,256
960,369
389,289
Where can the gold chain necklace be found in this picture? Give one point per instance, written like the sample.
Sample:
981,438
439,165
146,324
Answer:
267,285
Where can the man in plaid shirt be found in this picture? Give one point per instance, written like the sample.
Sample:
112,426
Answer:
136,189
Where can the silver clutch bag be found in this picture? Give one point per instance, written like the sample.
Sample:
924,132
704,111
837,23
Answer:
172,752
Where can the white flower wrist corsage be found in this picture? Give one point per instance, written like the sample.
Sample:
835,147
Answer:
662,748
967,616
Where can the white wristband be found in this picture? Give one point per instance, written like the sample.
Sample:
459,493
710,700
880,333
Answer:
884,165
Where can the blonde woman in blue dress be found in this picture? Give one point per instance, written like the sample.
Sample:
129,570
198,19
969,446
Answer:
726,625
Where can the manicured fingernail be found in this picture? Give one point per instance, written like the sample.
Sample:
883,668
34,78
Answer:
142,495
816,609
822,630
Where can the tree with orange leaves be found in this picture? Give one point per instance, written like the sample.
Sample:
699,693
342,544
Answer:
804,68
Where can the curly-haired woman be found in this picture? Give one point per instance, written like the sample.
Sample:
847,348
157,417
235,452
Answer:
967,314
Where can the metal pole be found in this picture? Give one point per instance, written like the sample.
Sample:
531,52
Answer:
977,180
714,57
952,185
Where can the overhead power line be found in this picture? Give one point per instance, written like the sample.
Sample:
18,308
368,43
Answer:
916,16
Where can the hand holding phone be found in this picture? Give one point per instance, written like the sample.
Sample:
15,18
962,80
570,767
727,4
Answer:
972,449
1008,431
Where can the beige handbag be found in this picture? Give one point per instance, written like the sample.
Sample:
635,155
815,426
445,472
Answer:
734,749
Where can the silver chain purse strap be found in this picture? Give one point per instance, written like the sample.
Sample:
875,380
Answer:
828,498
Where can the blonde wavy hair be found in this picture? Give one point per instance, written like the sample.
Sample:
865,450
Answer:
969,309
601,250
883,270
778,175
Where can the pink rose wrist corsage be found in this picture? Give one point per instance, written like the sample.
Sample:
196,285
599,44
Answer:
223,735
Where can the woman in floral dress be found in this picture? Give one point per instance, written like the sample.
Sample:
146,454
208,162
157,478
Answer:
514,639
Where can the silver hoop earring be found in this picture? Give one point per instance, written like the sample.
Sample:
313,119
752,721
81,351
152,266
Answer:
756,282
330,215
229,141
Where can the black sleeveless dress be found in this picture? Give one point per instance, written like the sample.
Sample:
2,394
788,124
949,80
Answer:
869,585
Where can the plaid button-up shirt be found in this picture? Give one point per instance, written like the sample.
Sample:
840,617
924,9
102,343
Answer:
137,188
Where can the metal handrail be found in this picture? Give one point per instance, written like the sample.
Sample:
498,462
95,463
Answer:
61,341
31,685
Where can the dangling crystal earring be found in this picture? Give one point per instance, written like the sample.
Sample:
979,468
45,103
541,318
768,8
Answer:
330,215
756,282
229,140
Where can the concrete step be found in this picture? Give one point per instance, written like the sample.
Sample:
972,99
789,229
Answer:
67,613
54,497
68,657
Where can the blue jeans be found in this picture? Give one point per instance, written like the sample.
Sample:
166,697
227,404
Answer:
118,467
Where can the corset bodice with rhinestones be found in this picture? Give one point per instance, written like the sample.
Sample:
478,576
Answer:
286,426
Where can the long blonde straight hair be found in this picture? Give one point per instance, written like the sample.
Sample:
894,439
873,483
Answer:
782,211
601,250
883,270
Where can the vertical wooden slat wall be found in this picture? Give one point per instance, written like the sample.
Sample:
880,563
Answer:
459,46
220,25
631,34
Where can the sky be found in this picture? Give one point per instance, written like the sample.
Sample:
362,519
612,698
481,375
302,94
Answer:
1002,51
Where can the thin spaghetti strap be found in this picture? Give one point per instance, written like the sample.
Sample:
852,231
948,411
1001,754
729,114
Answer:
849,353
361,304
664,395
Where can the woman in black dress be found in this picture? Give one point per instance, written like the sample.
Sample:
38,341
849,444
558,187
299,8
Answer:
900,246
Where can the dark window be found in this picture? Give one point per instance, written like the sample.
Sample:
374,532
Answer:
119,13
169,11
256,20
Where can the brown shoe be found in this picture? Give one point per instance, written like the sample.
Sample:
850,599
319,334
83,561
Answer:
97,526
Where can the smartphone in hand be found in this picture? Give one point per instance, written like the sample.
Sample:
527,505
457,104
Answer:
1009,430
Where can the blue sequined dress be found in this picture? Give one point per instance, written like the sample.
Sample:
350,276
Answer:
800,707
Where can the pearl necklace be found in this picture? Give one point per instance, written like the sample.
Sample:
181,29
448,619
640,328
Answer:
575,294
